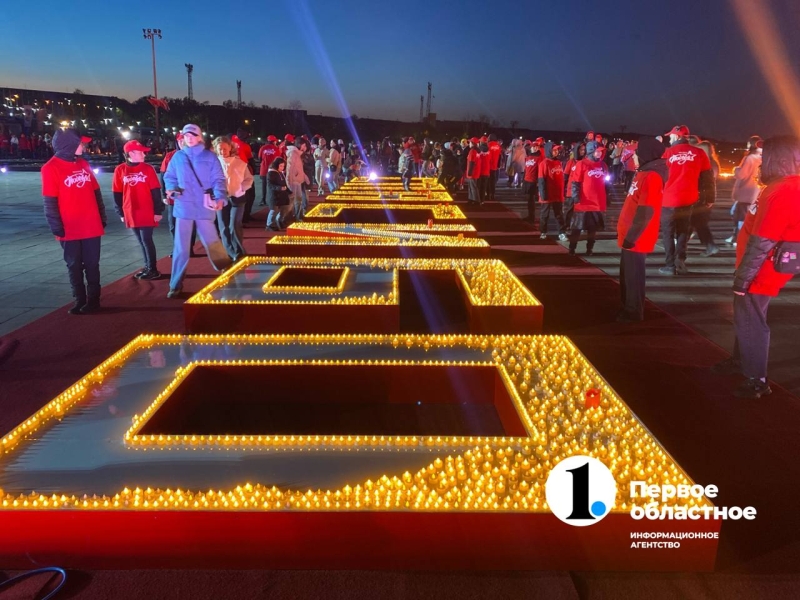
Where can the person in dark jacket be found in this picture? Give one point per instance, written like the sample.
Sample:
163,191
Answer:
450,172
767,257
277,195
76,215
638,225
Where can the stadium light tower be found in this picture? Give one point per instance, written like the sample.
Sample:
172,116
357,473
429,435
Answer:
151,34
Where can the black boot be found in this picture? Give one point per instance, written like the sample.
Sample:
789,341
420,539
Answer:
93,301
79,293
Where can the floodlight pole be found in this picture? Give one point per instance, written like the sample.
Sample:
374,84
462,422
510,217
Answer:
150,34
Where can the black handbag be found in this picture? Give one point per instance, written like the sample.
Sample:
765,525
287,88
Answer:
786,258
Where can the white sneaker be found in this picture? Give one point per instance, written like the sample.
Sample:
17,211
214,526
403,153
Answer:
562,237
543,236
729,240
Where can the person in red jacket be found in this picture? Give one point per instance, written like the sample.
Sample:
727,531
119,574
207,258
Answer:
485,171
578,153
637,228
589,197
495,150
473,173
137,200
690,179
551,193
767,256
266,154
530,180
76,215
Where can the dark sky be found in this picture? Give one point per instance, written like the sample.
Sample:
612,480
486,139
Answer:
550,65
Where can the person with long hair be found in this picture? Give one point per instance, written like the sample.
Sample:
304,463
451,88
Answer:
239,180
745,185
767,257
701,211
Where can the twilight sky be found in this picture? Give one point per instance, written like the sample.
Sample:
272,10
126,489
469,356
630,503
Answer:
551,65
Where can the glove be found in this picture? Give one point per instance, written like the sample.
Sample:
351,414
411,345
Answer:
627,244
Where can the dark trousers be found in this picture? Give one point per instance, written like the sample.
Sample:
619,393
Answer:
590,227
229,224
250,198
483,183
701,215
144,235
491,185
675,224
263,189
569,210
544,216
752,333
406,178
629,178
531,191
474,192
631,282
83,259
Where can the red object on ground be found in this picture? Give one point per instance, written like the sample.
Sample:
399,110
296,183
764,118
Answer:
592,398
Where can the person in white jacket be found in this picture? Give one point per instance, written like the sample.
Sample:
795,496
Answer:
335,167
745,186
321,165
239,180
296,177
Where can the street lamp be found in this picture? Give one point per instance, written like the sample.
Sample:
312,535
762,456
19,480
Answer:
150,34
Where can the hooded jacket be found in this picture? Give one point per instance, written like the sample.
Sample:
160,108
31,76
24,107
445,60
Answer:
745,188
73,202
639,220
179,177
295,174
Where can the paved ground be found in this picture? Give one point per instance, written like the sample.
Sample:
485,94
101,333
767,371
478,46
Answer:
703,299
33,278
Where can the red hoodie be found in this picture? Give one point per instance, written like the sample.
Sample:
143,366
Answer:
473,157
591,175
685,164
775,215
266,154
494,155
532,162
647,189
552,172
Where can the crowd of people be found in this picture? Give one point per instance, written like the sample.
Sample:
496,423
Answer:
208,191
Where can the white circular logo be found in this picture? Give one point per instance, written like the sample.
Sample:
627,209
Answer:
580,490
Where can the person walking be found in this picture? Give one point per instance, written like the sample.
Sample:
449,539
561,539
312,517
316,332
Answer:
296,177
137,200
701,211
321,166
745,185
239,181
767,257
277,194
690,180
76,215
266,154
530,185
551,193
589,197
638,224
196,182
334,167
406,165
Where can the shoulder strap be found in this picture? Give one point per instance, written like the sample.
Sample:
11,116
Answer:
191,166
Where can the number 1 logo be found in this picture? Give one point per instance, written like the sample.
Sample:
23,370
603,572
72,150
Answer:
580,490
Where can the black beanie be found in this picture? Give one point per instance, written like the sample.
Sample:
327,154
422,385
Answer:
648,150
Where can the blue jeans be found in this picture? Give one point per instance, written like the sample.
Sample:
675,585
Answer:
144,235
207,231
230,220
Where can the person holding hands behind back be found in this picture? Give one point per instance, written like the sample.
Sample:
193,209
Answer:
137,200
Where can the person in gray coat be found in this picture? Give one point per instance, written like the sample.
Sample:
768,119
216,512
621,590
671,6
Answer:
196,182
